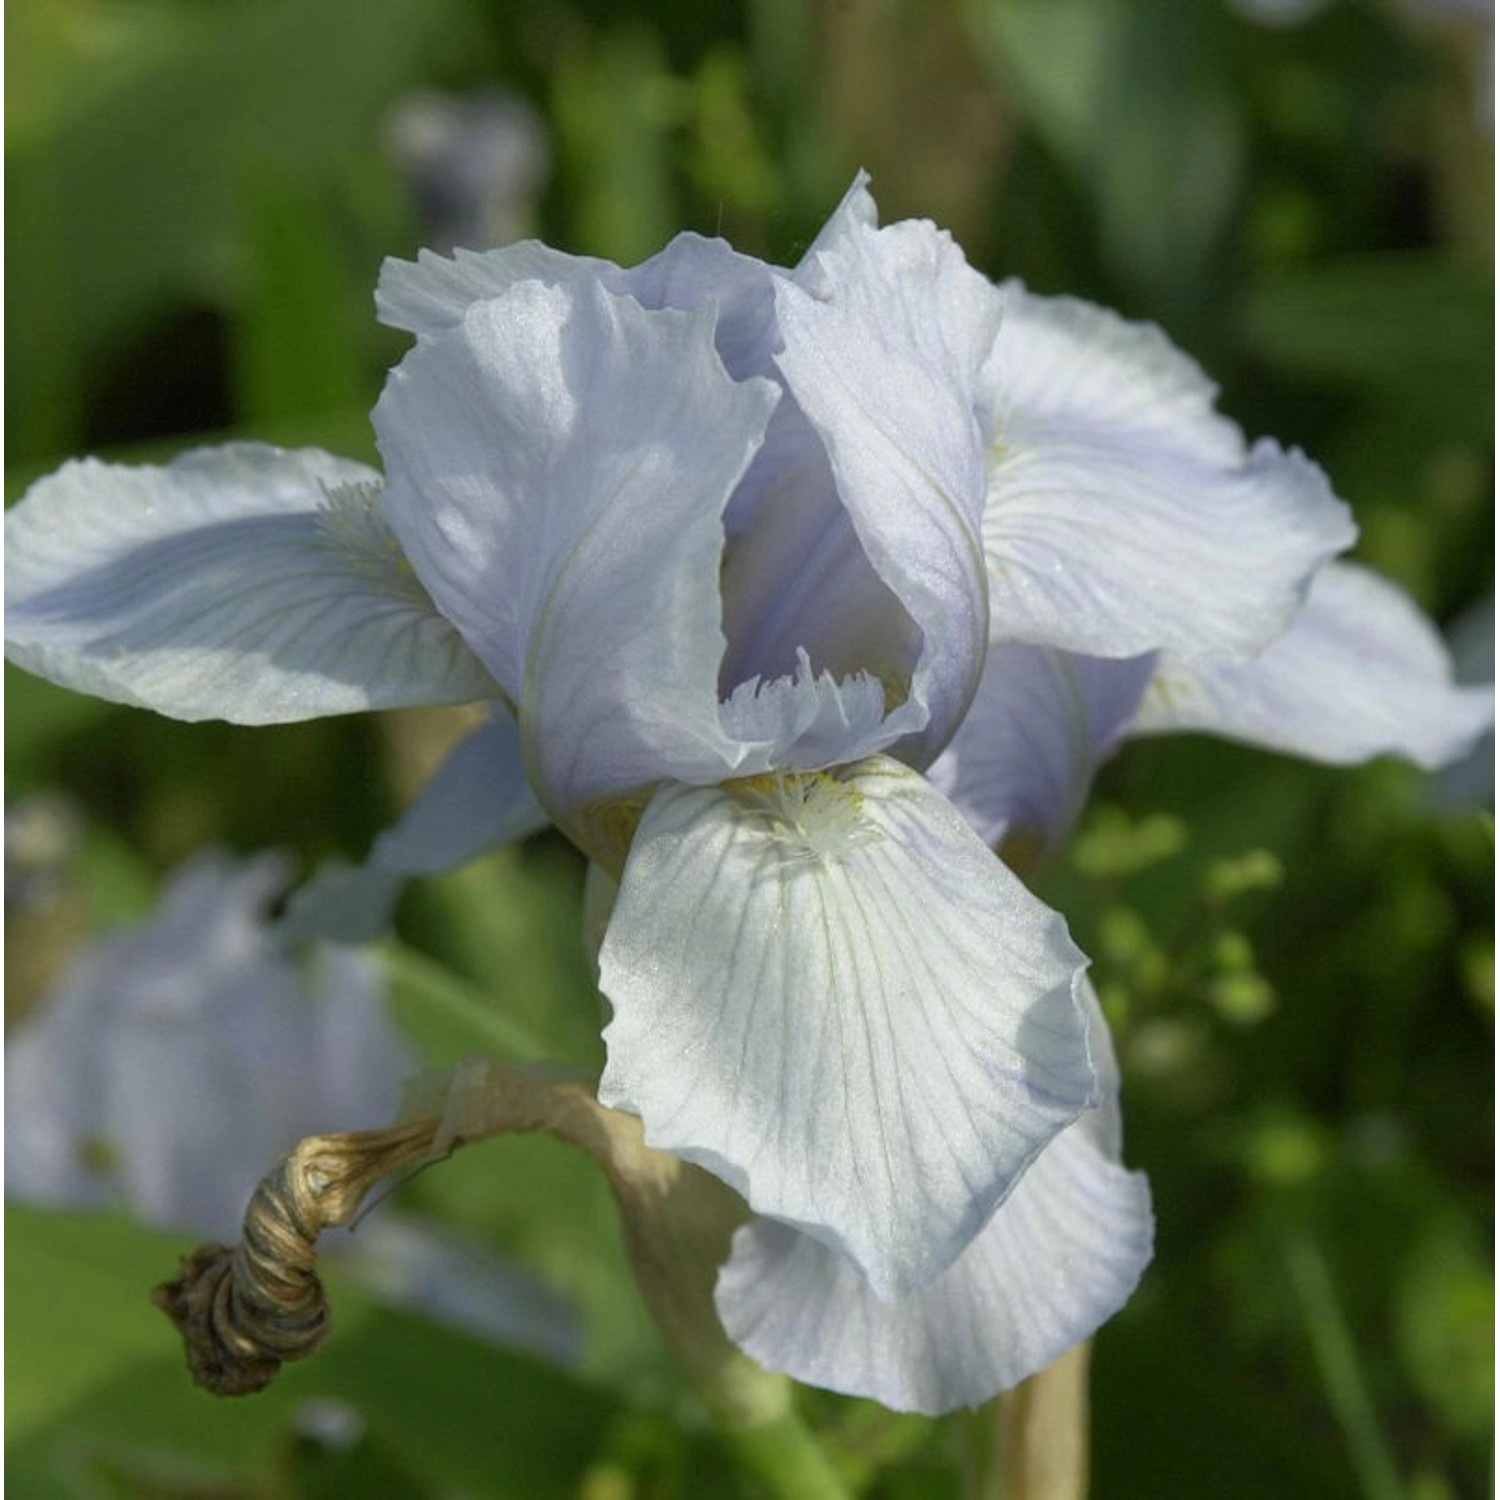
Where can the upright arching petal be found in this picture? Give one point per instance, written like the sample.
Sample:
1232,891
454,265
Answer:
560,463
885,356
241,583
433,293
856,208
1361,672
1061,1255
828,992
1124,515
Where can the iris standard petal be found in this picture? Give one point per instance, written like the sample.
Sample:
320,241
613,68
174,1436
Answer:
797,579
560,463
1025,755
1362,672
1124,515
1061,1255
792,548
431,294
242,583
694,272
885,360
827,991
856,208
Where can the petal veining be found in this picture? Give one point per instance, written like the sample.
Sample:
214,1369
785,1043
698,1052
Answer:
242,583
1060,1256
827,991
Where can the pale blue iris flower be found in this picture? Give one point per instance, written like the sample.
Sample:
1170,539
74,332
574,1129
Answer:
179,1059
740,553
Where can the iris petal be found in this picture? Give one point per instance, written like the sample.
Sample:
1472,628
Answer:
1024,758
831,994
1061,1255
560,463
1360,673
885,356
477,800
1124,515
241,583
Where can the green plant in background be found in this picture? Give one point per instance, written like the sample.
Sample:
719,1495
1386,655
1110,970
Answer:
1314,1121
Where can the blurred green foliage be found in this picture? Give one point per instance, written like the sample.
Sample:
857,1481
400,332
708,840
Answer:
1298,962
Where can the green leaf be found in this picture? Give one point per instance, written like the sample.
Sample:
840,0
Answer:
302,320
131,198
94,1379
1408,327
612,106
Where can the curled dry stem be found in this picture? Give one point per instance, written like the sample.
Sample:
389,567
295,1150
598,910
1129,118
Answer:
243,1312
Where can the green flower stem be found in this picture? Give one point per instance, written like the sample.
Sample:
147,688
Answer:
780,1453
1339,1365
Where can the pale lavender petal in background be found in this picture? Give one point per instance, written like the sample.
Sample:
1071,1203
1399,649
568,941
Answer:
1024,758
181,1058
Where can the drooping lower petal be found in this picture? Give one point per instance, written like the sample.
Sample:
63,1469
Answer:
1124,515
1042,721
242,583
827,991
1061,1255
560,463
1361,672
477,800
